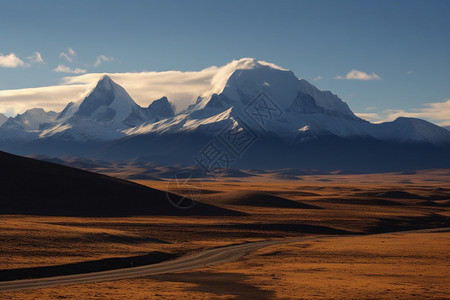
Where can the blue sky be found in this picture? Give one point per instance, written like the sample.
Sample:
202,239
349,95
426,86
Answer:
403,46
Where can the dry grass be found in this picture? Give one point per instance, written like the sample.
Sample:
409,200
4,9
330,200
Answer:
412,265
405,266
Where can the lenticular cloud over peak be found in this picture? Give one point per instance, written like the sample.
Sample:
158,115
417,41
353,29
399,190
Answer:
182,88
269,104
219,80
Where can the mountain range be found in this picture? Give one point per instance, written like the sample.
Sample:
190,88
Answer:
262,117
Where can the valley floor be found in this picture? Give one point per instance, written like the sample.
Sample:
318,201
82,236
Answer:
407,265
402,253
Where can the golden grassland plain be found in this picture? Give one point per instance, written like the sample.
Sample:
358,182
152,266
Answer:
352,262
387,266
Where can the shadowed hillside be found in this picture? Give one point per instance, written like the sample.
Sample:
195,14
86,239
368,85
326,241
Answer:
30,186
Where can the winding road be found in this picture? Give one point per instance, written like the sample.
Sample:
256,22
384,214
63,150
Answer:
188,262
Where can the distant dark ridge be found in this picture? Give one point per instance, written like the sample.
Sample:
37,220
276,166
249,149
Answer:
445,203
391,194
437,194
259,199
30,186
86,267
358,201
288,227
410,223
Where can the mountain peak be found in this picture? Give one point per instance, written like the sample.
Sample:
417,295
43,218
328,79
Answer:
106,78
163,99
220,79
106,104
105,110
31,119
105,83
160,109
247,63
240,81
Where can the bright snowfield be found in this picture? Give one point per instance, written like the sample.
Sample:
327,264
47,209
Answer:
268,100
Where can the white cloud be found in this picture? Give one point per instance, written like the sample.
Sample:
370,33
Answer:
318,78
371,117
68,54
409,72
67,57
53,98
65,69
102,58
11,61
222,74
182,88
36,58
437,112
359,75
71,51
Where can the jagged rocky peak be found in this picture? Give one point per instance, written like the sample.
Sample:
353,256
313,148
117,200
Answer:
102,114
300,110
159,109
108,102
31,119
101,95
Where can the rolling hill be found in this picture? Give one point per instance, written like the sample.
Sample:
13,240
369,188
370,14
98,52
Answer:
30,186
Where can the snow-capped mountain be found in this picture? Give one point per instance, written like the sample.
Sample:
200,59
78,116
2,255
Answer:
250,77
26,126
32,119
290,123
104,113
300,111
410,130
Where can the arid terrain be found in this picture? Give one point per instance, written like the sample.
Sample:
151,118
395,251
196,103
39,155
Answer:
374,236
224,149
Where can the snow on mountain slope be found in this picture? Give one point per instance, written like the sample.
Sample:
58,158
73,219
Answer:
26,127
410,130
32,119
186,123
325,99
3,119
305,111
109,103
301,112
240,81
244,84
13,133
247,77
102,114
220,79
